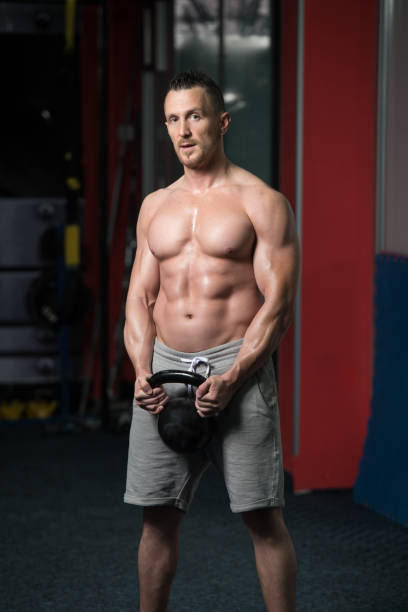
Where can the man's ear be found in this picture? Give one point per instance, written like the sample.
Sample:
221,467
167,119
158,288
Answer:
225,121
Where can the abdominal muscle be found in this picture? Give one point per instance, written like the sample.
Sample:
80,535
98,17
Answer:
198,310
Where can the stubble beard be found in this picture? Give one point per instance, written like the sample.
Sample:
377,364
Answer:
199,159
193,161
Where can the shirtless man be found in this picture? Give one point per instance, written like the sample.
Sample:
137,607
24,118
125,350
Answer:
214,279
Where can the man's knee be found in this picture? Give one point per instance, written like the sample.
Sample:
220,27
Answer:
162,521
265,523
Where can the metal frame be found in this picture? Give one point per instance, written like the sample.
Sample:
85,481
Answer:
386,11
299,215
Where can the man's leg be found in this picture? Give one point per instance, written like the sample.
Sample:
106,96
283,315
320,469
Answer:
275,558
158,554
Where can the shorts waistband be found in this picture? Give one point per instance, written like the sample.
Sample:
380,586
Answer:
221,352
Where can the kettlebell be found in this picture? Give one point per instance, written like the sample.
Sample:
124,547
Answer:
180,426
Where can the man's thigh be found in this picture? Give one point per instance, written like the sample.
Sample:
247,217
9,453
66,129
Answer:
248,449
156,475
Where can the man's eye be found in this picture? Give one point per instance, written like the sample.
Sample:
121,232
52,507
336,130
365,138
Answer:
195,116
172,119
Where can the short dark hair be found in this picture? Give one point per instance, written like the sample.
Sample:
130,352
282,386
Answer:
197,78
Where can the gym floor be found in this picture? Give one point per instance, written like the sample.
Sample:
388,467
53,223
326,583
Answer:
69,543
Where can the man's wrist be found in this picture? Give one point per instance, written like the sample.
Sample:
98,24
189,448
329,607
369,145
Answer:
143,373
232,378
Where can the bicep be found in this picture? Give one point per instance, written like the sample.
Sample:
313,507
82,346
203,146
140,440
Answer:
144,280
145,277
276,256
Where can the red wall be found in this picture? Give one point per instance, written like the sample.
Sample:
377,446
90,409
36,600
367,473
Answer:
337,237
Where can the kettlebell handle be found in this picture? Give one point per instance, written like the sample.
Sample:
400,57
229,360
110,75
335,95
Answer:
176,376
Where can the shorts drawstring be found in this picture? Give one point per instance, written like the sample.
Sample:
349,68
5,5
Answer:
194,363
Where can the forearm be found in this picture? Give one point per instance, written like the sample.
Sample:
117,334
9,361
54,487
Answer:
261,339
139,335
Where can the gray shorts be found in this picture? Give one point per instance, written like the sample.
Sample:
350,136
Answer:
246,447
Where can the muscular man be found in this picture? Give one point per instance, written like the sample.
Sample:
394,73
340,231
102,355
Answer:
212,288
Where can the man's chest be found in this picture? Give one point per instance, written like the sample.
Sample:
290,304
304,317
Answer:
217,229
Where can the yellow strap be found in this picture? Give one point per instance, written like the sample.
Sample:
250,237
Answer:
72,247
70,9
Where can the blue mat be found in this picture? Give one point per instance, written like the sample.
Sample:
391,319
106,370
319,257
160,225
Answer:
382,480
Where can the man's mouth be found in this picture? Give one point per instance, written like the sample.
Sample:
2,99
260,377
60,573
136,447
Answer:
187,145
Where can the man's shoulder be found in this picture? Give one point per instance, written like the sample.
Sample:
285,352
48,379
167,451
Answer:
156,197
153,201
149,207
153,197
255,190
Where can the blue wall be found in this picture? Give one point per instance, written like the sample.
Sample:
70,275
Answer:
382,480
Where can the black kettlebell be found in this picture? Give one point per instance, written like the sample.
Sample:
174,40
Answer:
180,426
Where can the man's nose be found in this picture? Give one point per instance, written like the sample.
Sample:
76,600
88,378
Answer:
184,129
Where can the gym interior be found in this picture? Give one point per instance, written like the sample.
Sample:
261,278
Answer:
318,93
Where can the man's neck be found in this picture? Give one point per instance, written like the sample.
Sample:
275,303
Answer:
200,180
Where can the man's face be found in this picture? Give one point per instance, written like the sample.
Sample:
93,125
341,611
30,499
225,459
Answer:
194,127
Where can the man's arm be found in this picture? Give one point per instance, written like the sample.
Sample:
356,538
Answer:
276,268
139,329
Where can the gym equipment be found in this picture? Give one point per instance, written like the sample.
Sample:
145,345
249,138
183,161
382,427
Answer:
123,150
46,308
180,426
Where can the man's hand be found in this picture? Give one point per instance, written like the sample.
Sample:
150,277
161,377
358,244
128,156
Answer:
152,400
212,396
